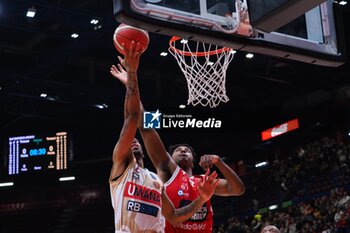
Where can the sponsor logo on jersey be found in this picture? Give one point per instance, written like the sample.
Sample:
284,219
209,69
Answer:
192,226
142,208
201,214
180,192
139,192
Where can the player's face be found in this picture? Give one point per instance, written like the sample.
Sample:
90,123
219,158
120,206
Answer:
183,156
136,147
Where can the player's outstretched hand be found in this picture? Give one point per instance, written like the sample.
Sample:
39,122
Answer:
207,161
207,186
119,71
132,56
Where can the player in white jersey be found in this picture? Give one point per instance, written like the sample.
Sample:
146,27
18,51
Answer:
138,196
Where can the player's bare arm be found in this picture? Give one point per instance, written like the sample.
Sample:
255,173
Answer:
232,185
122,154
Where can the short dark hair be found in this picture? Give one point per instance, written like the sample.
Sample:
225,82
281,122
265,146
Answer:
172,148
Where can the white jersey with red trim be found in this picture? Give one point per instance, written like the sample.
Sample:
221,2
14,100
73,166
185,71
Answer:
137,202
181,190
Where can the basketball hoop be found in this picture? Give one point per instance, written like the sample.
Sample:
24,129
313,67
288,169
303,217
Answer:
204,66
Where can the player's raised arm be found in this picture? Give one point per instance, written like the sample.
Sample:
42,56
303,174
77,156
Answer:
161,160
122,154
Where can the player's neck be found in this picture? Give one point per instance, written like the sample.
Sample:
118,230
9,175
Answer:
188,170
140,162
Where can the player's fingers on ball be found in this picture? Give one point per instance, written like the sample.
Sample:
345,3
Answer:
136,49
132,47
125,49
139,47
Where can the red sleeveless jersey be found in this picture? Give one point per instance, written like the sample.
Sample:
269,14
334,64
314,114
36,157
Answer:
181,190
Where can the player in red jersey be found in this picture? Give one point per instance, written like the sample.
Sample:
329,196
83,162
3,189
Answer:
176,170
180,184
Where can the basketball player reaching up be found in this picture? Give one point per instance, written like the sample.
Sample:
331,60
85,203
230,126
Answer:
138,196
176,171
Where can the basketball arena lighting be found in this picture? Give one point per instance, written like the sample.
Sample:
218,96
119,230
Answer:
182,106
101,106
249,55
67,178
94,21
6,184
98,27
273,207
343,3
43,95
163,54
74,35
183,41
261,164
31,12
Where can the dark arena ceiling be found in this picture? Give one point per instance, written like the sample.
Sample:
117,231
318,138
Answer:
38,55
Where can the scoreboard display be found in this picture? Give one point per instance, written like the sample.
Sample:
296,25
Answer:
33,153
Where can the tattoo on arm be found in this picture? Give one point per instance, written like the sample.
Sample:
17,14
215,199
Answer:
186,209
131,84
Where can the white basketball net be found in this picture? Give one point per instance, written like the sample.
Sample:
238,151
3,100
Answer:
204,70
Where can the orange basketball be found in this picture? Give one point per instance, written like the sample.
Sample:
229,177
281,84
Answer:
125,34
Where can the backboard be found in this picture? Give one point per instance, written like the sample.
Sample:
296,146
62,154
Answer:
308,31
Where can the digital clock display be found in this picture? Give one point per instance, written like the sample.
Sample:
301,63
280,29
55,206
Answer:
37,152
